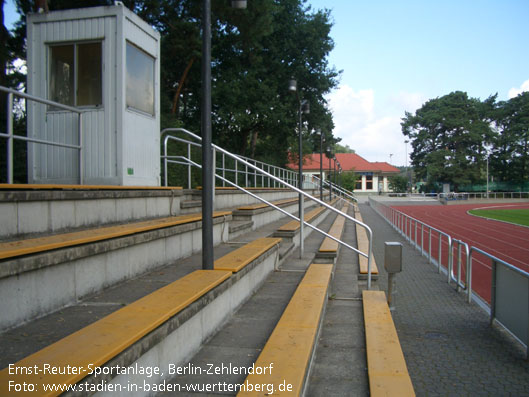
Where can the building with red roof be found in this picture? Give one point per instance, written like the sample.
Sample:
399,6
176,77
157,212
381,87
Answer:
372,176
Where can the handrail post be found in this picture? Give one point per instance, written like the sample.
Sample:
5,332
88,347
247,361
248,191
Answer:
458,286
189,167
469,275
370,254
10,138
439,254
223,169
81,151
165,161
450,264
430,245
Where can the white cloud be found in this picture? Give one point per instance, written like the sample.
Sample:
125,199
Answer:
514,92
373,133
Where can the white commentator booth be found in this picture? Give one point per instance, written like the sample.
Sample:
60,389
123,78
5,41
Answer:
104,61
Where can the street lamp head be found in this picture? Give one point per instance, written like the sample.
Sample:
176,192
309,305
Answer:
240,4
292,85
305,106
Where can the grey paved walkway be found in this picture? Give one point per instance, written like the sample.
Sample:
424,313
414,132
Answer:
449,347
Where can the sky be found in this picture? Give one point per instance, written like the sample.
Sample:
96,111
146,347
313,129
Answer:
397,54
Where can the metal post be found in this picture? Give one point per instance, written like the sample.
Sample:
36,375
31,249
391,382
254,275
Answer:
487,176
223,169
330,186
81,151
439,253
301,198
189,166
207,164
10,139
321,165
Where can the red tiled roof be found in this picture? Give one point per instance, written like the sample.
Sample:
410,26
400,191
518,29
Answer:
348,161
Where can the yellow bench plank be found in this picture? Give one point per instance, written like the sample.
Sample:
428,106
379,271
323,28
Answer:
239,258
363,246
289,348
104,339
263,205
40,244
294,225
22,186
336,231
387,371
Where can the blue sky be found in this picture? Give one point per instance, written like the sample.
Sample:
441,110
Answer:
397,54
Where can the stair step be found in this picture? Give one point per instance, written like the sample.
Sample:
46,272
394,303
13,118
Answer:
190,204
237,226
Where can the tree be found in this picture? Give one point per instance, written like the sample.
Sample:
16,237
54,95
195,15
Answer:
509,160
342,149
255,52
398,183
449,137
349,179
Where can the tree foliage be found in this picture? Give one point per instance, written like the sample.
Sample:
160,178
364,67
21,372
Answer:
398,183
509,160
453,136
254,54
449,137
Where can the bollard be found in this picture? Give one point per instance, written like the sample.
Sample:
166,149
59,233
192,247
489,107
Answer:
393,265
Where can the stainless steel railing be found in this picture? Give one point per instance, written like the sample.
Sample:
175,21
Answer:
286,184
11,137
223,169
514,292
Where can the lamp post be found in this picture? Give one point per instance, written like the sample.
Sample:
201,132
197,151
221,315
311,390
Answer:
329,156
304,107
406,163
207,150
487,176
320,133
334,171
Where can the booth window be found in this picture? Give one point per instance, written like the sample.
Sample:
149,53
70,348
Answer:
140,80
76,74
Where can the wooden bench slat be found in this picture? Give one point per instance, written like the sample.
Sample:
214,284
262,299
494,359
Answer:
290,345
263,205
47,243
29,186
239,258
363,246
100,341
294,225
387,371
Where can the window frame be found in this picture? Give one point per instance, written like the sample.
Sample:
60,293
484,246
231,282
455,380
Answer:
75,45
154,60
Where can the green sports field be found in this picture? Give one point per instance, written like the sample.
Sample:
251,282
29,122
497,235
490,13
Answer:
517,216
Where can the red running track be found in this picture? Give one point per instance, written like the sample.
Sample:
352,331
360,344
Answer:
502,240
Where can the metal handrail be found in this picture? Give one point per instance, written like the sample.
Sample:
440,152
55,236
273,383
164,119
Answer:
399,221
342,190
10,135
483,195
286,174
299,191
402,223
